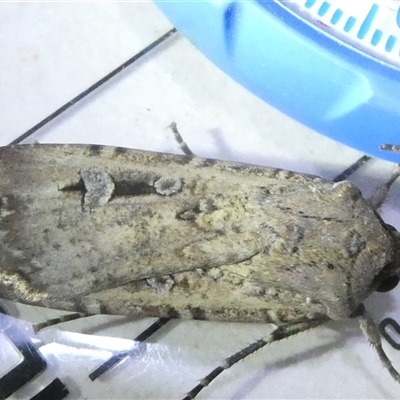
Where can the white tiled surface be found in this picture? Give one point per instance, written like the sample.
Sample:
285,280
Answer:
53,51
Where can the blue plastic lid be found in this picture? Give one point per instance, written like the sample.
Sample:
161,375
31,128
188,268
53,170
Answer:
333,69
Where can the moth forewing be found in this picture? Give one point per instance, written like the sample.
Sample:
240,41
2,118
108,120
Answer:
111,230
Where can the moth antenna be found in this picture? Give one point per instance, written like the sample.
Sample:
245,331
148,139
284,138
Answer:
381,192
371,332
178,137
282,332
390,147
353,168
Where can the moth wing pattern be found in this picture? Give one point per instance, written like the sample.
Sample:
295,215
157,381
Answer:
102,229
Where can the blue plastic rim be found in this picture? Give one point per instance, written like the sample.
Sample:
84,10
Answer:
297,68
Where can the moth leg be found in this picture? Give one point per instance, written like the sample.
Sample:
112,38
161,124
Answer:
50,322
58,320
371,332
381,192
282,332
179,139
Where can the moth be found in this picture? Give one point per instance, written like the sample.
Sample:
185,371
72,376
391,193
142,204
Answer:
97,229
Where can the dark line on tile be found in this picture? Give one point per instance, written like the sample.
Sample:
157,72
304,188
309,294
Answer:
89,90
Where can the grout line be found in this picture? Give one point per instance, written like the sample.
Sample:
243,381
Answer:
89,90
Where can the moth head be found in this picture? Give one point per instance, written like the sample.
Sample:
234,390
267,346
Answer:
389,277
